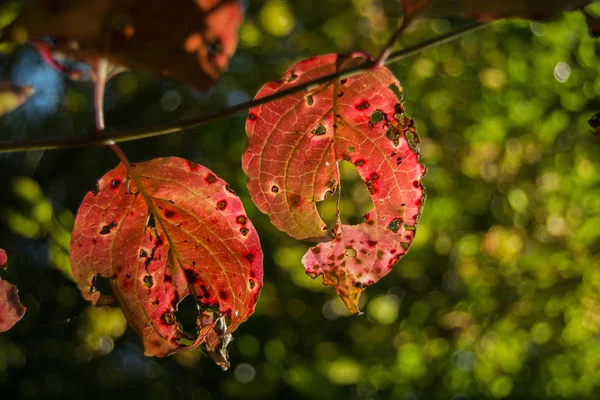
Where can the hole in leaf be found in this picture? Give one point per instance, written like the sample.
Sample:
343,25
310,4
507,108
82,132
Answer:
106,228
350,253
151,222
397,92
187,315
310,101
376,117
319,130
215,48
102,285
394,226
148,281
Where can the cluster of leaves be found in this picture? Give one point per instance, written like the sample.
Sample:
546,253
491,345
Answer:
475,255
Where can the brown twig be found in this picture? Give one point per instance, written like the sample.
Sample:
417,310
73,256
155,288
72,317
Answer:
127,135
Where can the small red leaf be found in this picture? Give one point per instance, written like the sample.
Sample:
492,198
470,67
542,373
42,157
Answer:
190,246
294,145
11,309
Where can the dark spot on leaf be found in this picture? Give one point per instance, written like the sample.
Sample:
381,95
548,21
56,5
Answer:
192,165
170,214
293,76
128,276
295,199
252,117
168,318
190,275
363,105
168,278
374,177
210,178
222,295
155,302
359,163
398,108
340,94
251,283
316,250
416,184
370,186
241,219
143,253
371,243
319,130
392,133
148,281
380,255
250,257
115,183
394,226
106,228
343,81
274,189
221,205
244,231
310,101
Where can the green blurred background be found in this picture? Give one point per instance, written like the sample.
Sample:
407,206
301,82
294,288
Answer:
499,296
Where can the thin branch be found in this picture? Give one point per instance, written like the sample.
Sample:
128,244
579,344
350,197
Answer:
389,46
127,135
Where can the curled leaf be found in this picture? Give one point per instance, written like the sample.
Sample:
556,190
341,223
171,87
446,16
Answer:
294,145
198,242
11,309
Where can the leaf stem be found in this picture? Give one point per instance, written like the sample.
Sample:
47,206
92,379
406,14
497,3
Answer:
117,136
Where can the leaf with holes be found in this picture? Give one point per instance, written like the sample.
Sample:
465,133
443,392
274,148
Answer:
490,10
11,309
170,38
197,242
294,145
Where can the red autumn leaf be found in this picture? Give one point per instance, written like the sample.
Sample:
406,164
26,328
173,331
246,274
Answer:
294,145
11,309
198,242
170,38
491,10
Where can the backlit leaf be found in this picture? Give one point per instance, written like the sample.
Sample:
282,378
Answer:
11,309
198,243
294,145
